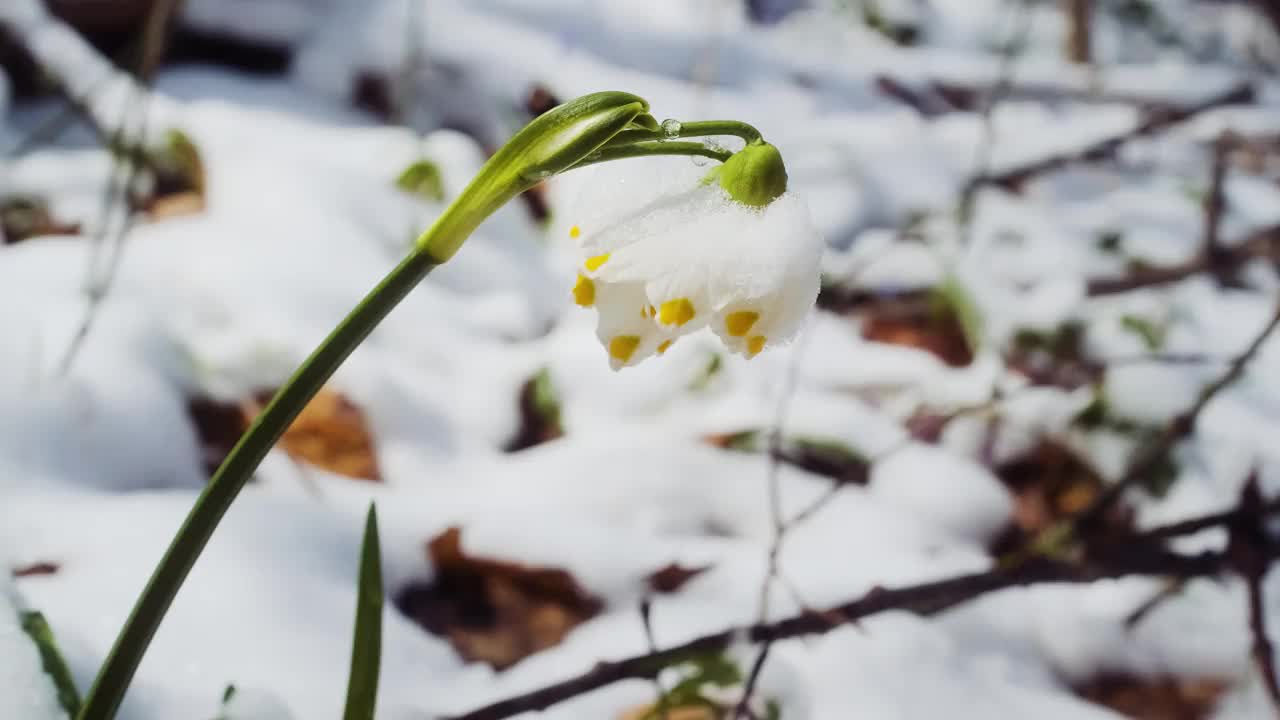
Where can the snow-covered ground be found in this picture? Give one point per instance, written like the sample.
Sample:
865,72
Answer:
302,216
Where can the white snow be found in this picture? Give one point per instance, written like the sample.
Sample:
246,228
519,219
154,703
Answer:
99,466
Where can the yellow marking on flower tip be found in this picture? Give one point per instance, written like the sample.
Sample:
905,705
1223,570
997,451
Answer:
675,312
575,232
584,291
664,346
755,344
622,347
739,323
593,263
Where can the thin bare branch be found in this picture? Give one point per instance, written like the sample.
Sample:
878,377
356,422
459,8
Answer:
1100,149
1124,559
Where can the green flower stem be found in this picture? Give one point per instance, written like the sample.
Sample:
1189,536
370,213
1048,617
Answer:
705,128
700,128
117,672
653,148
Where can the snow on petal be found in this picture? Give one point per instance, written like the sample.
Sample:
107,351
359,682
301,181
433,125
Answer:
691,257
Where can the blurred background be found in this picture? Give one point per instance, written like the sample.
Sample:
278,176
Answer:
1044,331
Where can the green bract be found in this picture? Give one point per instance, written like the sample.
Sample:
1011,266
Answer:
554,142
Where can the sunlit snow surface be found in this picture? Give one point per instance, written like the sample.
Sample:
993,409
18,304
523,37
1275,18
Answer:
97,469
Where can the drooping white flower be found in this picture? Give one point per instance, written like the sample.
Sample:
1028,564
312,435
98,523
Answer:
664,253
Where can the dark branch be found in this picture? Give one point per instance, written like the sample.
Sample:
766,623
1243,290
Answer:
1249,552
1151,454
1122,559
1155,122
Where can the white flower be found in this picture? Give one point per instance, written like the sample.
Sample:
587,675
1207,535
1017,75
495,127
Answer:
664,254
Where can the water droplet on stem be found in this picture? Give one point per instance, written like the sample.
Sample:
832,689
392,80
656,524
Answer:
671,127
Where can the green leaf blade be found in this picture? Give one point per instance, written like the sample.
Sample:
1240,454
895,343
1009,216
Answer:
366,646
37,628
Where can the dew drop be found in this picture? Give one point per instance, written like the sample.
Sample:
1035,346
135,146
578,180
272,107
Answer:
699,160
671,127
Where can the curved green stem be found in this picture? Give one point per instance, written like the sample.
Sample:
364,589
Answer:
699,128
117,672
652,148
706,128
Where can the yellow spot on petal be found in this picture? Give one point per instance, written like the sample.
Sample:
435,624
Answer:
584,291
594,263
739,323
575,232
663,347
675,312
755,344
623,347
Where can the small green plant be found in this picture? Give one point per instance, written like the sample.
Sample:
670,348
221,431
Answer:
1151,332
423,179
701,673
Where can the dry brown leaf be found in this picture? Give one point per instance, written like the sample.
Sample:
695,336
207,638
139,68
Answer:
179,204
36,568
672,577
932,330
330,432
1049,484
1163,698
495,611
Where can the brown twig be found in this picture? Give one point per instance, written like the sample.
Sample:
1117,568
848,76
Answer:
743,709
1124,559
985,149
926,101
1155,122
1249,551
1152,453
1167,591
781,526
1260,243
108,248
1215,201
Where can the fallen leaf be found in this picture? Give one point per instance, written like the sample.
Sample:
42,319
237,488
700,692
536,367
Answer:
539,403
330,432
932,327
1164,698
24,216
176,205
495,611
1049,483
672,577
36,568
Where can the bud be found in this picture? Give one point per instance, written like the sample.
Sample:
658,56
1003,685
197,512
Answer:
755,175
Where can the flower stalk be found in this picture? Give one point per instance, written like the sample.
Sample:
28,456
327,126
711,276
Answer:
592,129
